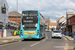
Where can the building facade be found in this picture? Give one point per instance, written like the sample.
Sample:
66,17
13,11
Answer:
52,26
3,12
3,16
61,24
15,16
47,23
57,25
71,24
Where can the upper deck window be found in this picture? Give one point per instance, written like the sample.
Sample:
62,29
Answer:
30,13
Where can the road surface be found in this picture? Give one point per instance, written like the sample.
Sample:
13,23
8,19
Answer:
47,43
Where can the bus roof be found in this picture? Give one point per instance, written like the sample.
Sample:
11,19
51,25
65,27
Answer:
29,10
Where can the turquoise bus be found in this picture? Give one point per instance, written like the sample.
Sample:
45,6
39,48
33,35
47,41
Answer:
32,25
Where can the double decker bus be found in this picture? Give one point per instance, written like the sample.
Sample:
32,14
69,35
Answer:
32,25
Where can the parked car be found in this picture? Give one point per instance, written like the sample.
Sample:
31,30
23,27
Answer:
56,34
47,30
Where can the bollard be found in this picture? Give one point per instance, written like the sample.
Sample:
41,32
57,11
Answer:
74,39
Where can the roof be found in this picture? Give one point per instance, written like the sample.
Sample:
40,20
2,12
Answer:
14,14
53,23
61,20
71,16
70,12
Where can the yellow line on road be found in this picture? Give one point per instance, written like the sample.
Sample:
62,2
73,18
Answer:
66,46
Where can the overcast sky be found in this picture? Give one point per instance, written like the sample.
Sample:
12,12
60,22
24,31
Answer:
53,9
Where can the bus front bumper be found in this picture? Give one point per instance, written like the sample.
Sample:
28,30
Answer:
29,37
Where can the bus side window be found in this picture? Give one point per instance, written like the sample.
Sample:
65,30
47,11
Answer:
41,28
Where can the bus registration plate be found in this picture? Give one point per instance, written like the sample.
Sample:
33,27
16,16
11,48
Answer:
29,37
29,33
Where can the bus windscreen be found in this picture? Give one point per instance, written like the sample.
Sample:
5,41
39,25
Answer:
29,19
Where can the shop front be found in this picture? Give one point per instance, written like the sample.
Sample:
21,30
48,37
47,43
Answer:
52,29
73,28
69,29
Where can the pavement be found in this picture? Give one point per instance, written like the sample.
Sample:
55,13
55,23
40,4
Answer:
47,43
71,43
68,38
9,39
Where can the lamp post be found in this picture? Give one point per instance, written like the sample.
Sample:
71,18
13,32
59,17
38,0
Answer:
66,13
17,15
66,19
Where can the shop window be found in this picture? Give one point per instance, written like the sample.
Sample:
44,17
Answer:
69,22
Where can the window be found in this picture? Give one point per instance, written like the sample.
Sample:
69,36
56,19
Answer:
41,28
30,13
69,22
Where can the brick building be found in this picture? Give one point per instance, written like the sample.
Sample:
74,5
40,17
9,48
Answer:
70,22
15,16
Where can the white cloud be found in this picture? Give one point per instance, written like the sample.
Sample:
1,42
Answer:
10,6
49,8
53,20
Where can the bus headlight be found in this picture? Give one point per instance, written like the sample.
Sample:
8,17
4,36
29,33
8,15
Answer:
23,25
35,25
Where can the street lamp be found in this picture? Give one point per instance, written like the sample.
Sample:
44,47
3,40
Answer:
66,13
17,14
66,19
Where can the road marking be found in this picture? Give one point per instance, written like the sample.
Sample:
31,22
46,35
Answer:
40,41
45,38
66,46
65,38
35,44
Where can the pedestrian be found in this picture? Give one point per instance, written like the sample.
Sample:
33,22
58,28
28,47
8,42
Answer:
52,29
